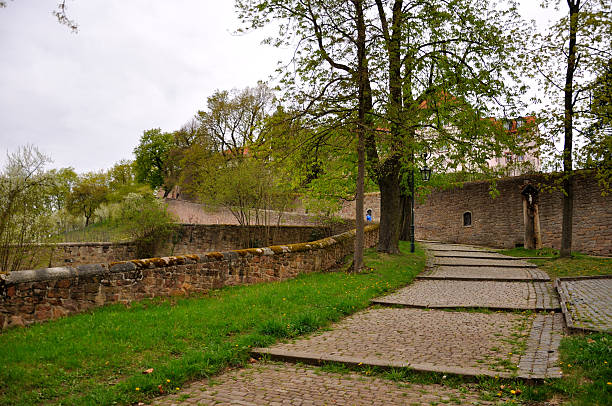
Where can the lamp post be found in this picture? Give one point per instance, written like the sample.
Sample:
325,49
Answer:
426,175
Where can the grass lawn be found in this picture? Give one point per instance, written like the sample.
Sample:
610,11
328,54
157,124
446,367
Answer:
555,267
103,231
99,357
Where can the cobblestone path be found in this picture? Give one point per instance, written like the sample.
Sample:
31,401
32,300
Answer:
519,295
450,339
587,302
287,384
484,273
466,343
478,262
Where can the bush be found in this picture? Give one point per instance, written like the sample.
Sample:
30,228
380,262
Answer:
147,222
25,209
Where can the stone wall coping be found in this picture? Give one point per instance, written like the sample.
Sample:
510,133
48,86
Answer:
48,274
86,244
260,225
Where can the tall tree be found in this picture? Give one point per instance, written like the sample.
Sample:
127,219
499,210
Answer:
578,45
331,85
439,69
234,119
152,165
447,69
88,194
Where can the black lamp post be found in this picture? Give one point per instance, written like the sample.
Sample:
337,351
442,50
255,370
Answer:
426,175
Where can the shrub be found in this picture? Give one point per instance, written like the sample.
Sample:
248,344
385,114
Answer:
147,223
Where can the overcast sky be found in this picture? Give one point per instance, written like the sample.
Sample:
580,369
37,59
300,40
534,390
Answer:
84,99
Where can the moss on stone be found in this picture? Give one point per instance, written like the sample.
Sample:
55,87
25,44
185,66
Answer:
214,255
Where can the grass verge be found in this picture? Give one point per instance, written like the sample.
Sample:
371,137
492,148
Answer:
101,357
577,265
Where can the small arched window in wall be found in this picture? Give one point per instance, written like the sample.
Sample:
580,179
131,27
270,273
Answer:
467,219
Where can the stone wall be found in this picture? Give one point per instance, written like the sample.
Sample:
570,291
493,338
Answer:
197,213
30,296
498,222
79,253
190,239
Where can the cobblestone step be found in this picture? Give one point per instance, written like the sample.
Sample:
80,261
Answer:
495,295
541,358
455,248
484,274
465,343
586,302
472,254
476,262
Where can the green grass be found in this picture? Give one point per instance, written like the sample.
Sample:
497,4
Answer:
555,267
99,357
102,231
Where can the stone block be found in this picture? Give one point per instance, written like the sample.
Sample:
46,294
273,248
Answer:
15,321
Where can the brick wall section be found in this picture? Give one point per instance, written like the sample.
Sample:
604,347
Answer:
499,222
193,239
31,296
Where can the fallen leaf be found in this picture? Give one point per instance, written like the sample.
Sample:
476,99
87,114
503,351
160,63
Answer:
148,371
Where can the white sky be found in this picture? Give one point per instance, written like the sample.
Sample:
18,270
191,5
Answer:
85,98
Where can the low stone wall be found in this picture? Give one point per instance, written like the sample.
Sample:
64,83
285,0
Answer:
200,238
197,213
80,253
190,239
31,296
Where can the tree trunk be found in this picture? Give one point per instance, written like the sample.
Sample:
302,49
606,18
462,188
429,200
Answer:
405,222
568,187
390,211
528,218
359,199
365,106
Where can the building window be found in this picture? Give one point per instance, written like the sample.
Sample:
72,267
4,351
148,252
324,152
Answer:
467,219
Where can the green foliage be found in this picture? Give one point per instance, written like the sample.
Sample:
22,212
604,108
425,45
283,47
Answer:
434,71
146,221
151,165
122,181
98,357
89,192
233,120
26,198
597,151
583,75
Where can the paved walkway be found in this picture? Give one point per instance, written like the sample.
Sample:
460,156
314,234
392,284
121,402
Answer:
415,333
287,384
587,302
484,273
466,343
518,295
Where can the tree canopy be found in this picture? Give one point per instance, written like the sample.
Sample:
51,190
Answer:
434,71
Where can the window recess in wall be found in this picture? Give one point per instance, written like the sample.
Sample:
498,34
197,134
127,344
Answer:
467,219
